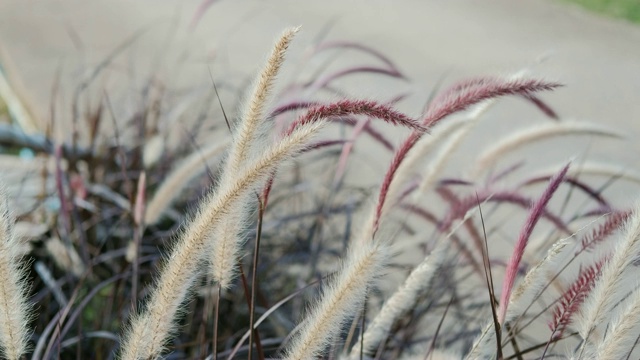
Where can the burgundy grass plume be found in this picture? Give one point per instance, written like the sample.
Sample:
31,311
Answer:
466,93
572,299
356,107
534,215
348,120
614,222
452,102
345,109
458,98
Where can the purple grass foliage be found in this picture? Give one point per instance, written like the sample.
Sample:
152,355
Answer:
324,81
577,183
534,215
342,44
461,207
293,106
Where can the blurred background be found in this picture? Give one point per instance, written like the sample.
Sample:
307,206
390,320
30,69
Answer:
115,76
594,54
50,48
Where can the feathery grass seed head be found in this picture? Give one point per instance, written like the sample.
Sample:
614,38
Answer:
342,297
14,308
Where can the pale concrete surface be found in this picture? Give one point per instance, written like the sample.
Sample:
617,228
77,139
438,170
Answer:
597,58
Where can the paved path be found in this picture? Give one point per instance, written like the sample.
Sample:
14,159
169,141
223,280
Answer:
597,58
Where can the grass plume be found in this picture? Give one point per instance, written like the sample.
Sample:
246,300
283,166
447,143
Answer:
343,296
608,288
537,133
523,238
14,308
150,330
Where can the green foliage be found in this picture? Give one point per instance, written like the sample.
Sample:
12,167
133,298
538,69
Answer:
624,9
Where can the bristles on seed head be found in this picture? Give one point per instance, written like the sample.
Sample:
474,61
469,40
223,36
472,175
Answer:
609,287
14,308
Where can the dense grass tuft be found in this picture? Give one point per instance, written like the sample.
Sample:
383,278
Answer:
256,235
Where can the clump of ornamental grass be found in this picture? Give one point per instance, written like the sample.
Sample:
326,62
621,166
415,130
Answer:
257,243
